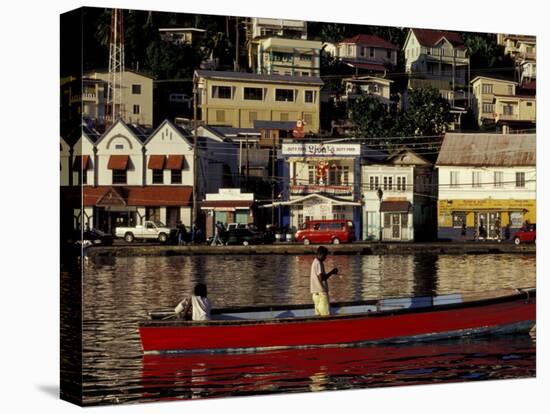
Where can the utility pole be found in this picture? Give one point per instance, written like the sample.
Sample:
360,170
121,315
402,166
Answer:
247,161
273,182
195,145
236,44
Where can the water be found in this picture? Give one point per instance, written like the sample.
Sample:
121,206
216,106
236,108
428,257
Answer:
118,292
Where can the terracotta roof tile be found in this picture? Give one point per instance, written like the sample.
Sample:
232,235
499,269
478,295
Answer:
370,40
429,37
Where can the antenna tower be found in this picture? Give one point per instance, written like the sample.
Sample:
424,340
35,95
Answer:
116,66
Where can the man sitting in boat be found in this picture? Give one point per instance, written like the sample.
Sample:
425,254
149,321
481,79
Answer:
319,282
197,307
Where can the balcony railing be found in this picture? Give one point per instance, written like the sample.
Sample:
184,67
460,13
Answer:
318,188
444,53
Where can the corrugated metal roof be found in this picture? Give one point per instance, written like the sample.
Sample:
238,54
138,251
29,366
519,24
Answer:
504,150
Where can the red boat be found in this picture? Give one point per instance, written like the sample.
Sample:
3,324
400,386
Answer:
376,321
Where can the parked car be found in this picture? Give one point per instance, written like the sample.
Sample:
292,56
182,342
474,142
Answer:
527,234
243,236
97,237
150,230
326,231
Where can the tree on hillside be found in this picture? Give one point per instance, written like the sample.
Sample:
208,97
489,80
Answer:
370,117
427,113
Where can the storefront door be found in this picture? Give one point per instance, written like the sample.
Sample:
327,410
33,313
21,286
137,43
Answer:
396,226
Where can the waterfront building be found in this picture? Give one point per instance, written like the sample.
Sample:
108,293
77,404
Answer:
291,57
129,174
495,102
399,196
228,205
320,181
367,53
64,161
238,99
437,58
485,179
523,50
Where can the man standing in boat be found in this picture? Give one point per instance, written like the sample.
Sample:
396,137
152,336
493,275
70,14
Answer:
319,282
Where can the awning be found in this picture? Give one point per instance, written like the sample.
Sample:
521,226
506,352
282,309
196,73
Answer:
154,196
175,162
81,161
322,198
156,162
227,204
118,162
395,206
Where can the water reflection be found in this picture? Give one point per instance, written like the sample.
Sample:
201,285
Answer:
118,293
336,368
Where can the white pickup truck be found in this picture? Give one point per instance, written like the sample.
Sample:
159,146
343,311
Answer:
150,230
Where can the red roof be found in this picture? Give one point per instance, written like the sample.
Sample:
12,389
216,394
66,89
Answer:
370,40
156,162
141,196
175,162
227,203
368,66
428,37
81,161
118,162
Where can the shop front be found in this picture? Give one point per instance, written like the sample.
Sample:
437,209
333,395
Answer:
108,207
228,206
488,219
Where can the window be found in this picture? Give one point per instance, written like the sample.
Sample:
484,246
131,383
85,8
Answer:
119,146
282,57
306,57
308,119
308,96
222,92
510,90
84,175
454,178
488,108
404,220
508,109
311,174
388,183
374,182
516,218
136,89
529,103
388,54
119,177
305,73
175,176
498,178
345,176
401,183
520,179
136,110
220,116
252,116
333,176
284,95
476,179
459,217
253,94
371,52
158,176
486,88
284,116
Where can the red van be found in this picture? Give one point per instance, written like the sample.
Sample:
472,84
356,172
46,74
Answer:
326,231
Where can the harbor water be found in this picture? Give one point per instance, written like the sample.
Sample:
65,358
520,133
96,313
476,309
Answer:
119,291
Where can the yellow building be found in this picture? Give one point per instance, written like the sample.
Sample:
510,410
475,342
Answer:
495,101
238,99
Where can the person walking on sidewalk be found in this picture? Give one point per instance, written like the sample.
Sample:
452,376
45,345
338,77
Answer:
319,282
